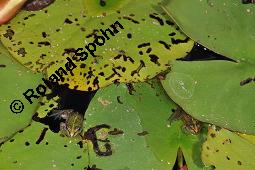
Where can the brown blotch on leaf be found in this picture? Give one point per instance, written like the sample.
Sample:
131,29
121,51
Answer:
116,131
9,33
142,133
22,52
246,81
2,65
213,135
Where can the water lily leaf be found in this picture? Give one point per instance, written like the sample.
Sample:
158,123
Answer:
146,141
226,150
46,149
217,92
15,80
135,134
142,45
225,26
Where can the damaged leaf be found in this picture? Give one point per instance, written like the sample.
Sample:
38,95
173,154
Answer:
133,41
226,150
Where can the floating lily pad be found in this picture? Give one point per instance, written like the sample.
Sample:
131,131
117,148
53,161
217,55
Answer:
224,26
147,140
139,136
39,148
142,45
217,92
226,150
15,80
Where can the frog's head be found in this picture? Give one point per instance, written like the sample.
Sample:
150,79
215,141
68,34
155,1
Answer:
194,127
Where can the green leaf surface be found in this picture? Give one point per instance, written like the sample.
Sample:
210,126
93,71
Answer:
26,151
139,51
226,150
215,92
15,80
224,26
148,141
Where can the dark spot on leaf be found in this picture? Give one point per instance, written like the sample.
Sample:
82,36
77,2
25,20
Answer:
143,45
142,133
178,41
131,19
213,135
239,162
46,43
31,15
102,2
172,34
82,65
92,168
115,131
169,23
228,158
9,33
157,18
72,164
27,143
80,144
131,88
22,52
11,140
119,101
246,81
2,65
68,21
129,35
154,59
44,35
167,46
65,146
78,157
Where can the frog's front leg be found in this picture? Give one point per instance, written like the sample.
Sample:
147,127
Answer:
63,129
176,115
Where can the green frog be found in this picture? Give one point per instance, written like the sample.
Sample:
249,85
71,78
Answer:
72,126
191,124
